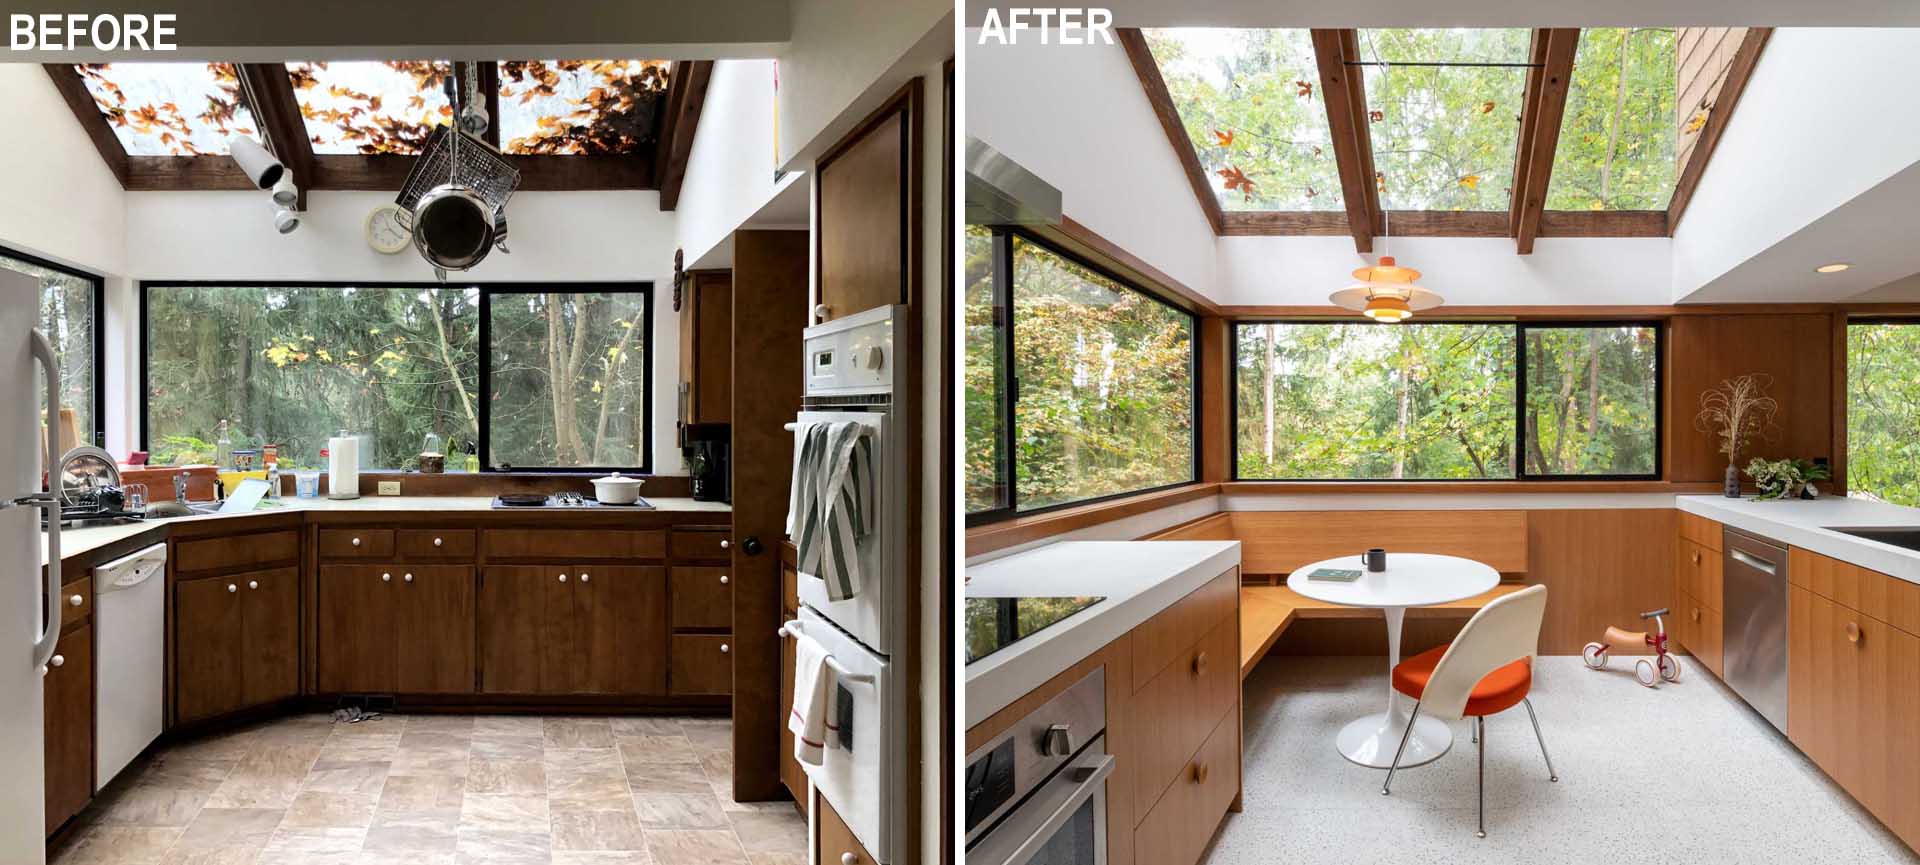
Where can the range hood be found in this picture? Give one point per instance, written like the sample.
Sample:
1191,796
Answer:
1001,192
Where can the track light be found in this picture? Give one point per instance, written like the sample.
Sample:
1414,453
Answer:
259,164
285,193
285,219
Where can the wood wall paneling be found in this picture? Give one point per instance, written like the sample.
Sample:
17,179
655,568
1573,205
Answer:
1279,542
1796,349
1216,388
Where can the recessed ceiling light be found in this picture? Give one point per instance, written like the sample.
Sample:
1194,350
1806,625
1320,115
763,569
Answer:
1835,267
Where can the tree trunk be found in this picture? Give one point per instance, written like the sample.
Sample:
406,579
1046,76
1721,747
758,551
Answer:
556,372
1593,383
606,387
1403,398
1266,393
1563,411
1613,127
453,372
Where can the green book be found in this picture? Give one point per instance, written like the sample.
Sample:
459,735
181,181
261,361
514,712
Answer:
1334,575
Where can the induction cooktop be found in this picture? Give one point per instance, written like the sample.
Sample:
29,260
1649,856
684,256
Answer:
996,623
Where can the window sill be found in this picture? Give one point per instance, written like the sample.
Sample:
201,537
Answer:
1019,530
1460,487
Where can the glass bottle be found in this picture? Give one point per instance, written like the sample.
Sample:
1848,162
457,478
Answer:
222,447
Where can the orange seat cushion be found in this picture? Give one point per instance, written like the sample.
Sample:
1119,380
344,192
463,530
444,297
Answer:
1501,690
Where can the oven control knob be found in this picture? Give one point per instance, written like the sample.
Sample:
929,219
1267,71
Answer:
874,357
1057,741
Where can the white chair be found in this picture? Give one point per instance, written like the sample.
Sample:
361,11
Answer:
1486,670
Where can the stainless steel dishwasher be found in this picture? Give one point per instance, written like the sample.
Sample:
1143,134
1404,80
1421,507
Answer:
1755,635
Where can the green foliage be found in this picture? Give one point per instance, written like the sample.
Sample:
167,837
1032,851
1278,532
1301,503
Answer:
984,461
1883,412
1784,478
1618,135
1592,402
1445,135
68,319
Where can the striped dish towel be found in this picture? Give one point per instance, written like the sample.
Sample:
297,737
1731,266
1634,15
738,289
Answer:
832,505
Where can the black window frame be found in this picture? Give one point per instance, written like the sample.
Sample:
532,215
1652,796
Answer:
1520,327
1009,507
99,431
482,385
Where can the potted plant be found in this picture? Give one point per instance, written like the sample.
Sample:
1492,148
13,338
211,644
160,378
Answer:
1784,479
1737,411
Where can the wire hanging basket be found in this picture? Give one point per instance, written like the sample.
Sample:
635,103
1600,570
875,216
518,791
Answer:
456,195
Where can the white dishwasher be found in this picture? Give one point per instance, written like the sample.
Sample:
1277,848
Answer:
130,652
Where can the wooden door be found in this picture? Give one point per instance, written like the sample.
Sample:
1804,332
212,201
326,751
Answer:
270,622
434,644
68,691
620,630
863,220
526,630
357,616
208,658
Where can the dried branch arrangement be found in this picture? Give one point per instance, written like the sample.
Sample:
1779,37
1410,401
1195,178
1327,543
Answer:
1738,411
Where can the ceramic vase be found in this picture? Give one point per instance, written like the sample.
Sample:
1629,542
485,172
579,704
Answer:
1733,482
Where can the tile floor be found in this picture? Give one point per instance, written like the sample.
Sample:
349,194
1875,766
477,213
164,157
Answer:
440,790
1686,773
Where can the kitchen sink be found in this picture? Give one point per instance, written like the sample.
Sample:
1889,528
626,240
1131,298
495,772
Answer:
1899,536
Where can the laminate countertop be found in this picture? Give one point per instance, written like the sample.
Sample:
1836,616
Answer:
78,540
1810,525
1138,579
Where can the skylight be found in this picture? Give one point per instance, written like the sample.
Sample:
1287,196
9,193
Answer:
169,109
1444,132
1626,133
579,106
1250,103
368,107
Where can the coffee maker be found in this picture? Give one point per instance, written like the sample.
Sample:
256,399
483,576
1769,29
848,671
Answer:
708,455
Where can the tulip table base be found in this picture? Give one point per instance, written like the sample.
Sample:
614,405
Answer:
1370,741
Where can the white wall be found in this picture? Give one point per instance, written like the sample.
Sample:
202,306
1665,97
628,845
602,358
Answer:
1077,117
1286,271
57,198
845,58
730,172
555,236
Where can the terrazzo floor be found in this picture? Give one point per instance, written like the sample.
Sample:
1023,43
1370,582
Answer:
440,790
1686,773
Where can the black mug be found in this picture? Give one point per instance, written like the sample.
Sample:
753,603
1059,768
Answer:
1376,559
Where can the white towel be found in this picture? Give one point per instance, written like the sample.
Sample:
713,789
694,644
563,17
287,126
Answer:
812,687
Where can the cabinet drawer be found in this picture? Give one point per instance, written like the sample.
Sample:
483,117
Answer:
1702,630
236,551
699,544
702,598
1181,706
1889,599
1700,530
1161,639
434,543
1177,829
572,545
702,664
356,543
77,602
838,846
1697,572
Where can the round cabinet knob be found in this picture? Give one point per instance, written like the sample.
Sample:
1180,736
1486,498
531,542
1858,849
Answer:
253,584
1696,614
438,542
725,544
1200,664
407,577
586,578
563,578
723,581
232,588
1696,558
849,859
724,649
1853,632
386,578
1057,741
356,542
57,661
820,312
76,600
1199,773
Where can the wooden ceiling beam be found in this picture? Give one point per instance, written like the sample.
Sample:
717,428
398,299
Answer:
1529,119
278,113
1155,86
1535,159
686,95
1745,58
1344,90
80,102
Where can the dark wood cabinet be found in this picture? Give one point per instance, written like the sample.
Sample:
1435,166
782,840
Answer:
836,843
237,641
68,691
864,247
573,629
702,598
270,636
526,629
620,630
702,664
706,348
791,775
356,613
432,643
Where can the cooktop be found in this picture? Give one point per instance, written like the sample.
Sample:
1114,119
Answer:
996,623
561,500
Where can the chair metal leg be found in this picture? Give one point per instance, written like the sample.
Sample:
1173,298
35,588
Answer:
1473,726
1415,716
1481,786
1551,775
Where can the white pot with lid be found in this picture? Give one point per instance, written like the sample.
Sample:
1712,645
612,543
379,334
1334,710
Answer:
617,489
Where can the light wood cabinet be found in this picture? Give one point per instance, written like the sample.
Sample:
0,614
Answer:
1696,621
396,629
237,642
837,844
1179,826
68,725
573,629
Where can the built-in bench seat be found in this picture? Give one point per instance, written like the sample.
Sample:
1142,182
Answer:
1266,611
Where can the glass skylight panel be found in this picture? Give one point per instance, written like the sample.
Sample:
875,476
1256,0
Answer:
1251,106
169,109
368,107
1444,133
1620,136
579,106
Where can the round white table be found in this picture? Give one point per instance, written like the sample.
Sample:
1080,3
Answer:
1410,580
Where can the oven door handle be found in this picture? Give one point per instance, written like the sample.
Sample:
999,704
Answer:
1088,780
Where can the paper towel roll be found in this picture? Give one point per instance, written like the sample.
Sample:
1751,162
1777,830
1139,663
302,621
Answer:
343,467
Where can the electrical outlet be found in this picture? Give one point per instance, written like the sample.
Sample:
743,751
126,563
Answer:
389,488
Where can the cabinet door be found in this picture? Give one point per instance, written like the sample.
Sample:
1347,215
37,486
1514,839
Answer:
702,598
790,772
68,689
270,616
620,630
208,652
863,219
526,629
1899,720
712,314
837,843
434,646
703,664
356,621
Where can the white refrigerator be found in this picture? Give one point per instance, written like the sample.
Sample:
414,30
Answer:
29,601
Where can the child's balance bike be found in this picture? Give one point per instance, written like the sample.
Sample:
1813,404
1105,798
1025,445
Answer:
1650,671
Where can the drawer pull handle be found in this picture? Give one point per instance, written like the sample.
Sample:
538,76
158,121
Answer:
232,588
724,649
1200,664
76,600
1854,633
438,542
1199,773
586,578
1696,558
253,584
356,542
1696,614
386,578
723,579
407,577
563,578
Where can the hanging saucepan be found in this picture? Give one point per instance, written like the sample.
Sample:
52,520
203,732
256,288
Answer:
453,228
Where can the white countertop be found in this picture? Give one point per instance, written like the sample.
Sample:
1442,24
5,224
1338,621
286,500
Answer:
1138,579
1808,524
75,540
